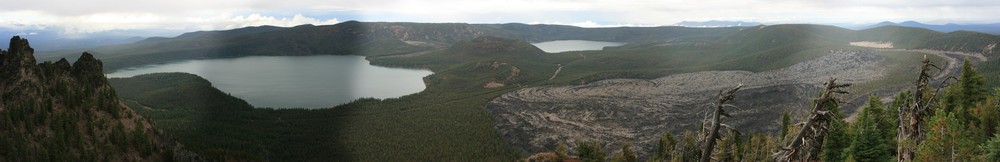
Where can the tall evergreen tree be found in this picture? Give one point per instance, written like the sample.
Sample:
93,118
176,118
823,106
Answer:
971,86
964,100
868,146
946,141
870,142
838,137
786,121
969,90
837,141
988,114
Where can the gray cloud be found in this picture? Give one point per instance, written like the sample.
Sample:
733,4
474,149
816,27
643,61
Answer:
221,14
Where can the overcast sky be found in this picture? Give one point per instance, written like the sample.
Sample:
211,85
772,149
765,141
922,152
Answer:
84,16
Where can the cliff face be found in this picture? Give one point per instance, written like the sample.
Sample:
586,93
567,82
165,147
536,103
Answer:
62,112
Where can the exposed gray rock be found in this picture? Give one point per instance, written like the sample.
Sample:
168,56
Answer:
639,111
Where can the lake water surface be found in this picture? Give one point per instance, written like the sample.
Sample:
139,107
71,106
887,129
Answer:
296,81
574,45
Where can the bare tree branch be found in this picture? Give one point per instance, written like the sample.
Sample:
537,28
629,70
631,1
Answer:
811,134
713,132
911,114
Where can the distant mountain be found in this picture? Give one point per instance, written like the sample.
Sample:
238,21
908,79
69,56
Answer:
392,38
714,23
361,38
950,27
54,38
63,112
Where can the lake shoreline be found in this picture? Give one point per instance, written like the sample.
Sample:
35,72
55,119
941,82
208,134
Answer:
318,81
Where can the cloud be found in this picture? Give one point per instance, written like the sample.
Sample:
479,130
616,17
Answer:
672,11
258,20
99,22
99,15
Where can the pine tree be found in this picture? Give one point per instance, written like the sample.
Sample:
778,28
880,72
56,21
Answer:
868,146
665,147
786,121
987,114
590,151
965,100
726,149
971,86
968,91
946,141
689,149
870,142
992,148
758,148
837,141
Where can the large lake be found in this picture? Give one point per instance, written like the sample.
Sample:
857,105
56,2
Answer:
574,45
296,81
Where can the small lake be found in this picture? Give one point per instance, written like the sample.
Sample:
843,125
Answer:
296,81
574,45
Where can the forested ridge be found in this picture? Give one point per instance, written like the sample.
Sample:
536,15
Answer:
68,112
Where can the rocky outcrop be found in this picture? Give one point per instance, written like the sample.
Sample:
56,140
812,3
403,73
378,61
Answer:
639,111
20,54
62,112
88,70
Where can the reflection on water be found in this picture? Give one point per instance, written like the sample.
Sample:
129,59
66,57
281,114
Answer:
573,45
296,81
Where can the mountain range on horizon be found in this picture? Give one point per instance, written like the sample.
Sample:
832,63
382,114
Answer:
53,38
990,28
48,38
715,23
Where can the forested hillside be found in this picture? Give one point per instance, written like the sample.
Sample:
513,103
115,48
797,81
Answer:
221,127
62,112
